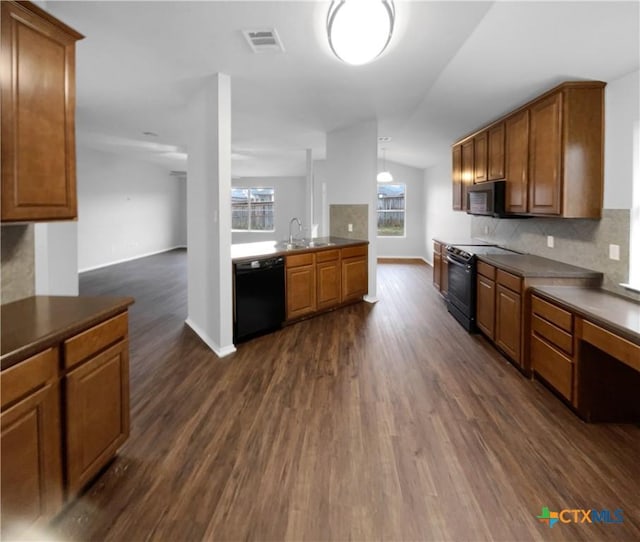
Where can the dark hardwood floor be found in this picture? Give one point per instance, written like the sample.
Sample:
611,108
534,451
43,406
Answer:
374,422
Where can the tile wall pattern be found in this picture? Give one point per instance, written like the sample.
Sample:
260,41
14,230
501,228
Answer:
580,242
340,216
17,262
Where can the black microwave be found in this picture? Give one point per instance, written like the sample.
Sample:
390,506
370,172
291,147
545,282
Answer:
487,199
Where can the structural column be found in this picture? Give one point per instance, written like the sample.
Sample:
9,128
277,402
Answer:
210,310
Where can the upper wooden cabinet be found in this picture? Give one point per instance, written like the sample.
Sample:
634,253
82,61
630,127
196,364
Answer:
549,151
38,115
457,177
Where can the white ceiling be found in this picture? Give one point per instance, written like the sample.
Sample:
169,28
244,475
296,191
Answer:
450,67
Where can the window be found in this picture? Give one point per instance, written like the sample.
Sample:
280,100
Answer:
391,210
252,209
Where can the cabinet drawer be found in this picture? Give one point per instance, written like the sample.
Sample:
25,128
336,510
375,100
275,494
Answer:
552,365
296,260
350,252
509,281
555,315
486,270
93,340
553,334
327,256
28,375
608,342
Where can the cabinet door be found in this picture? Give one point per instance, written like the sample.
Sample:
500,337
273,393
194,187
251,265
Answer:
495,153
517,162
38,104
456,173
480,158
97,414
31,446
328,277
545,174
486,305
508,322
301,291
355,278
437,270
467,170
444,275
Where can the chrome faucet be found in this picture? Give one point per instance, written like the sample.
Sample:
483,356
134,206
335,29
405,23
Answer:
291,224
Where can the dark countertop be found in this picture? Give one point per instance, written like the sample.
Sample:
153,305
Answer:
33,324
248,251
527,265
618,314
462,241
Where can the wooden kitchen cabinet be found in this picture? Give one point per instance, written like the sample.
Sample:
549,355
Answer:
480,144
456,172
437,264
31,483
495,152
355,275
301,285
508,330
553,153
517,162
97,413
468,170
38,115
328,275
486,305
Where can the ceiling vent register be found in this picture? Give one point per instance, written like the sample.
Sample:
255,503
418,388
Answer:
264,41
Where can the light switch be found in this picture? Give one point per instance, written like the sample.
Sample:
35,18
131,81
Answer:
350,227
614,252
550,241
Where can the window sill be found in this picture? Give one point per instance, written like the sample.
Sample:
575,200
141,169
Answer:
633,288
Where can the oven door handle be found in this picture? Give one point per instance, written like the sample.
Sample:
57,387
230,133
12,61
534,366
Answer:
459,264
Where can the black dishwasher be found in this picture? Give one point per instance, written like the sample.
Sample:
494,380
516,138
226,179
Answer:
259,297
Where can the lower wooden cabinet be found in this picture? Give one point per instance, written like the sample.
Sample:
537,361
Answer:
31,483
486,306
437,270
97,413
508,322
301,291
56,420
328,278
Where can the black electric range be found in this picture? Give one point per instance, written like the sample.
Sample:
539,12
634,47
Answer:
461,297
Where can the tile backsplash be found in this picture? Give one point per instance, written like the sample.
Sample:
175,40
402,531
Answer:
17,262
581,242
340,216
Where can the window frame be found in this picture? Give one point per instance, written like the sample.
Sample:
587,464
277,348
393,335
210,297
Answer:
404,223
249,189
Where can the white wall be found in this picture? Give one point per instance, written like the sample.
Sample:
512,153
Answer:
350,177
127,208
56,258
440,219
413,244
622,98
290,201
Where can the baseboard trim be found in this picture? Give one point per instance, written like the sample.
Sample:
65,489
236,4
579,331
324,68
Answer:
220,351
370,299
116,262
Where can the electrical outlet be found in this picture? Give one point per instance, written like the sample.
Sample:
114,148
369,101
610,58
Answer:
350,227
614,252
550,241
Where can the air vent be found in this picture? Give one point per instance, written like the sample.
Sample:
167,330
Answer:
264,41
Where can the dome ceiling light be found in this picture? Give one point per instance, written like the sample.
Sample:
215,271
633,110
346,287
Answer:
385,175
359,30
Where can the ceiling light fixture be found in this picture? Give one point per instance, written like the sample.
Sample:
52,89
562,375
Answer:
385,175
359,30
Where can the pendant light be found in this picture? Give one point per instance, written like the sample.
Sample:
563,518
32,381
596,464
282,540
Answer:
359,30
385,175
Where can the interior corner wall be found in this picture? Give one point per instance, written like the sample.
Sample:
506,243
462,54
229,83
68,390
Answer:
127,208
290,201
412,245
440,219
